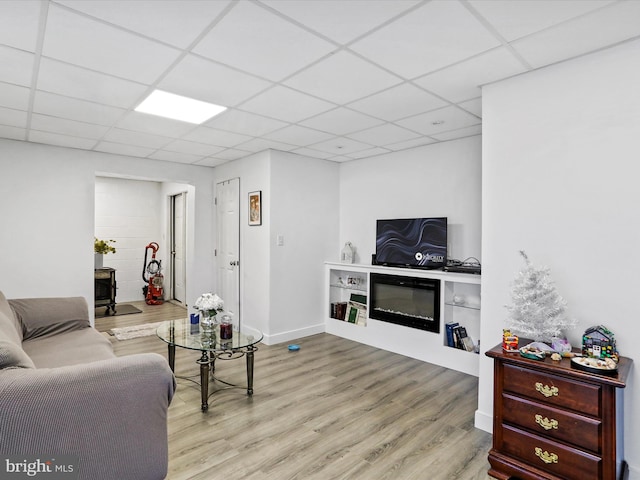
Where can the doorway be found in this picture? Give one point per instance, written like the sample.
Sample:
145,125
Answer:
177,250
228,251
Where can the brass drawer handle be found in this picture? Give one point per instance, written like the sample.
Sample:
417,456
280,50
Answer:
546,423
545,456
546,390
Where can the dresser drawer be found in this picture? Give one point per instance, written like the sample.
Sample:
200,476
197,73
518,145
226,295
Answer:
553,390
553,457
552,422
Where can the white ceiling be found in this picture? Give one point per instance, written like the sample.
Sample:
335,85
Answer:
333,79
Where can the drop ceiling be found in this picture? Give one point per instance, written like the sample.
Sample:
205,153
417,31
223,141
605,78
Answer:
331,79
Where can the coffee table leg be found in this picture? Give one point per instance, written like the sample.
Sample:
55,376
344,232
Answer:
250,371
172,357
204,380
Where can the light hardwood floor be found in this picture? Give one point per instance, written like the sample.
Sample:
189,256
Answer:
336,409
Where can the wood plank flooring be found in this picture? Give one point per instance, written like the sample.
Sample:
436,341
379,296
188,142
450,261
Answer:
334,410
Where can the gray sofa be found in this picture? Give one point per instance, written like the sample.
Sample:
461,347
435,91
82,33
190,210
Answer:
63,392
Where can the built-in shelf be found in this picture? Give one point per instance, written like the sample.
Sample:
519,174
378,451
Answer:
427,346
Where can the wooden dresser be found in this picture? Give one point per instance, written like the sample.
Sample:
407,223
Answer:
552,421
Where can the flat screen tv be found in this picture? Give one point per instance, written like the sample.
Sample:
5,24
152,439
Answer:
412,242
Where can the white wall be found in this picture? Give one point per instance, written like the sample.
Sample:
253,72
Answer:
47,197
431,181
440,180
47,210
128,211
299,201
304,211
254,174
560,180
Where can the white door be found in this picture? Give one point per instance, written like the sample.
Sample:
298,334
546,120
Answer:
178,242
228,251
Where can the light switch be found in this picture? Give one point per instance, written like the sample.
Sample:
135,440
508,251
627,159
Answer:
280,240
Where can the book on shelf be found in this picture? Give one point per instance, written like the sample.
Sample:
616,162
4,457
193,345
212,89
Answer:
462,340
357,313
338,310
449,329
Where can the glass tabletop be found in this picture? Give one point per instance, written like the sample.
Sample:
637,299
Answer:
182,333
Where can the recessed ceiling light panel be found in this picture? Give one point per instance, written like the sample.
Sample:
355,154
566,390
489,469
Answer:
177,107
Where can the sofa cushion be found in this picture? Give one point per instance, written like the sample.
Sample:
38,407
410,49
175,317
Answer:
10,328
44,317
12,356
69,348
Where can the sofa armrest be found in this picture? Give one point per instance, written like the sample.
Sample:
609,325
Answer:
111,414
49,316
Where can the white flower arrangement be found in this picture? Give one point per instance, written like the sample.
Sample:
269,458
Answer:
208,302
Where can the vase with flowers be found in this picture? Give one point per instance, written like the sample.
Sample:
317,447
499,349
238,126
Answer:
101,248
209,304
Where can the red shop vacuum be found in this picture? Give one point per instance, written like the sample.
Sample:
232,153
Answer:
152,291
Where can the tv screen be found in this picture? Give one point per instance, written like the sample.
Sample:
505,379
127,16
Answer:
412,242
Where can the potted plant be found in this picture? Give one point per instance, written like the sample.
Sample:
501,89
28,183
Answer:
101,248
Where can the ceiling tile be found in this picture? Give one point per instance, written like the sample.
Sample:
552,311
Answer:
194,148
117,135
17,66
14,133
76,82
416,142
341,21
81,41
474,106
259,144
341,121
460,133
309,152
60,140
613,24
205,80
437,121
340,158
211,136
175,156
63,126
299,136
231,154
339,78
434,36
286,104
258,41
246,123
384,135
75,109
13,118
372,152
210,162
462,81
340,146
14,96
398,102
517,19
19,23
176,23
122,149
143,122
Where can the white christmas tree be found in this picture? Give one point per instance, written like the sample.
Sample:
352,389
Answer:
537,311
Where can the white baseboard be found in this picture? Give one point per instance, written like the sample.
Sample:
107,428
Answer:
293,334
483,421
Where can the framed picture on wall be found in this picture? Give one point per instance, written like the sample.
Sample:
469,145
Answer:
255,208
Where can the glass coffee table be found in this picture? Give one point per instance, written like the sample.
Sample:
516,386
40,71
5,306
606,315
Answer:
182,333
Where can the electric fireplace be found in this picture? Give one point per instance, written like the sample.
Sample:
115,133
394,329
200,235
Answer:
410,301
